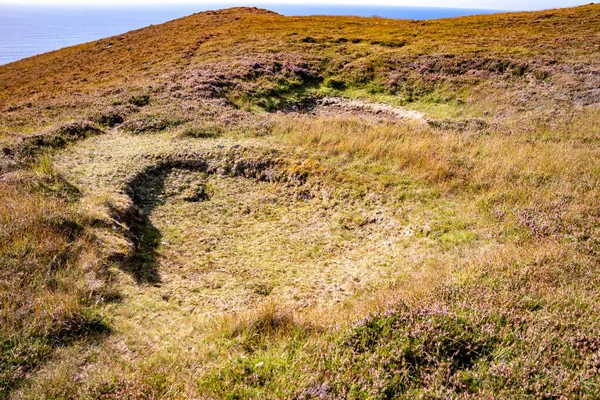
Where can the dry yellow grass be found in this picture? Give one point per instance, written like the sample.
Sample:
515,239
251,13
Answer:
316,251
49,277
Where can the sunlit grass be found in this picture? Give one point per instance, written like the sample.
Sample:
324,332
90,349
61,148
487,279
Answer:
243,240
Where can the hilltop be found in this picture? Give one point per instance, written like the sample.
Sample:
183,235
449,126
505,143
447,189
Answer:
239,204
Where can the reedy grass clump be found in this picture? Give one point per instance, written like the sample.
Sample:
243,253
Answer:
50,273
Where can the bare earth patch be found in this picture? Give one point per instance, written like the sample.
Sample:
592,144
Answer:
339,105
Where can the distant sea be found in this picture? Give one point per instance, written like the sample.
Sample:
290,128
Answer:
29,30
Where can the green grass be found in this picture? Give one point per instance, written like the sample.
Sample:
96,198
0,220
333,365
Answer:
234,232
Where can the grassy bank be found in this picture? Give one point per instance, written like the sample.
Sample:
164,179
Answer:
243,205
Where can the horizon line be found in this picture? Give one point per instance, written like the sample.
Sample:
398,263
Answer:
266,3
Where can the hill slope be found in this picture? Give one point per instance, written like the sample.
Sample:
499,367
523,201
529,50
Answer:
244,205
406,58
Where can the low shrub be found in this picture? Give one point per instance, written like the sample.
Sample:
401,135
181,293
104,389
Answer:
335,83
149,123
202,132
57,138
140,101
110,118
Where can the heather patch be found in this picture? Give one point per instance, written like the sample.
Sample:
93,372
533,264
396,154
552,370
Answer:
55,138
327,207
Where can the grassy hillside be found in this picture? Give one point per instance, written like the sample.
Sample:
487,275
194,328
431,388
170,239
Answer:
239,204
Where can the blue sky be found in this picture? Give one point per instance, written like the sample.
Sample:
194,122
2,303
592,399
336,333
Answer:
479,4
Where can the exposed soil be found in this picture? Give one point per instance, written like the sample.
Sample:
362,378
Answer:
339,105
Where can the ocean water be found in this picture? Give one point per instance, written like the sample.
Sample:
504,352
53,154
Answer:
29,30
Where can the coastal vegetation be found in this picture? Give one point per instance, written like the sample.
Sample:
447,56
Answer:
239,204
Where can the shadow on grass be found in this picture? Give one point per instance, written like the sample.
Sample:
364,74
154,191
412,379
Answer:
146,191
143,265
22,354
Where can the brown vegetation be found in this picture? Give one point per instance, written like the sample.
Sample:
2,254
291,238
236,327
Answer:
247,205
